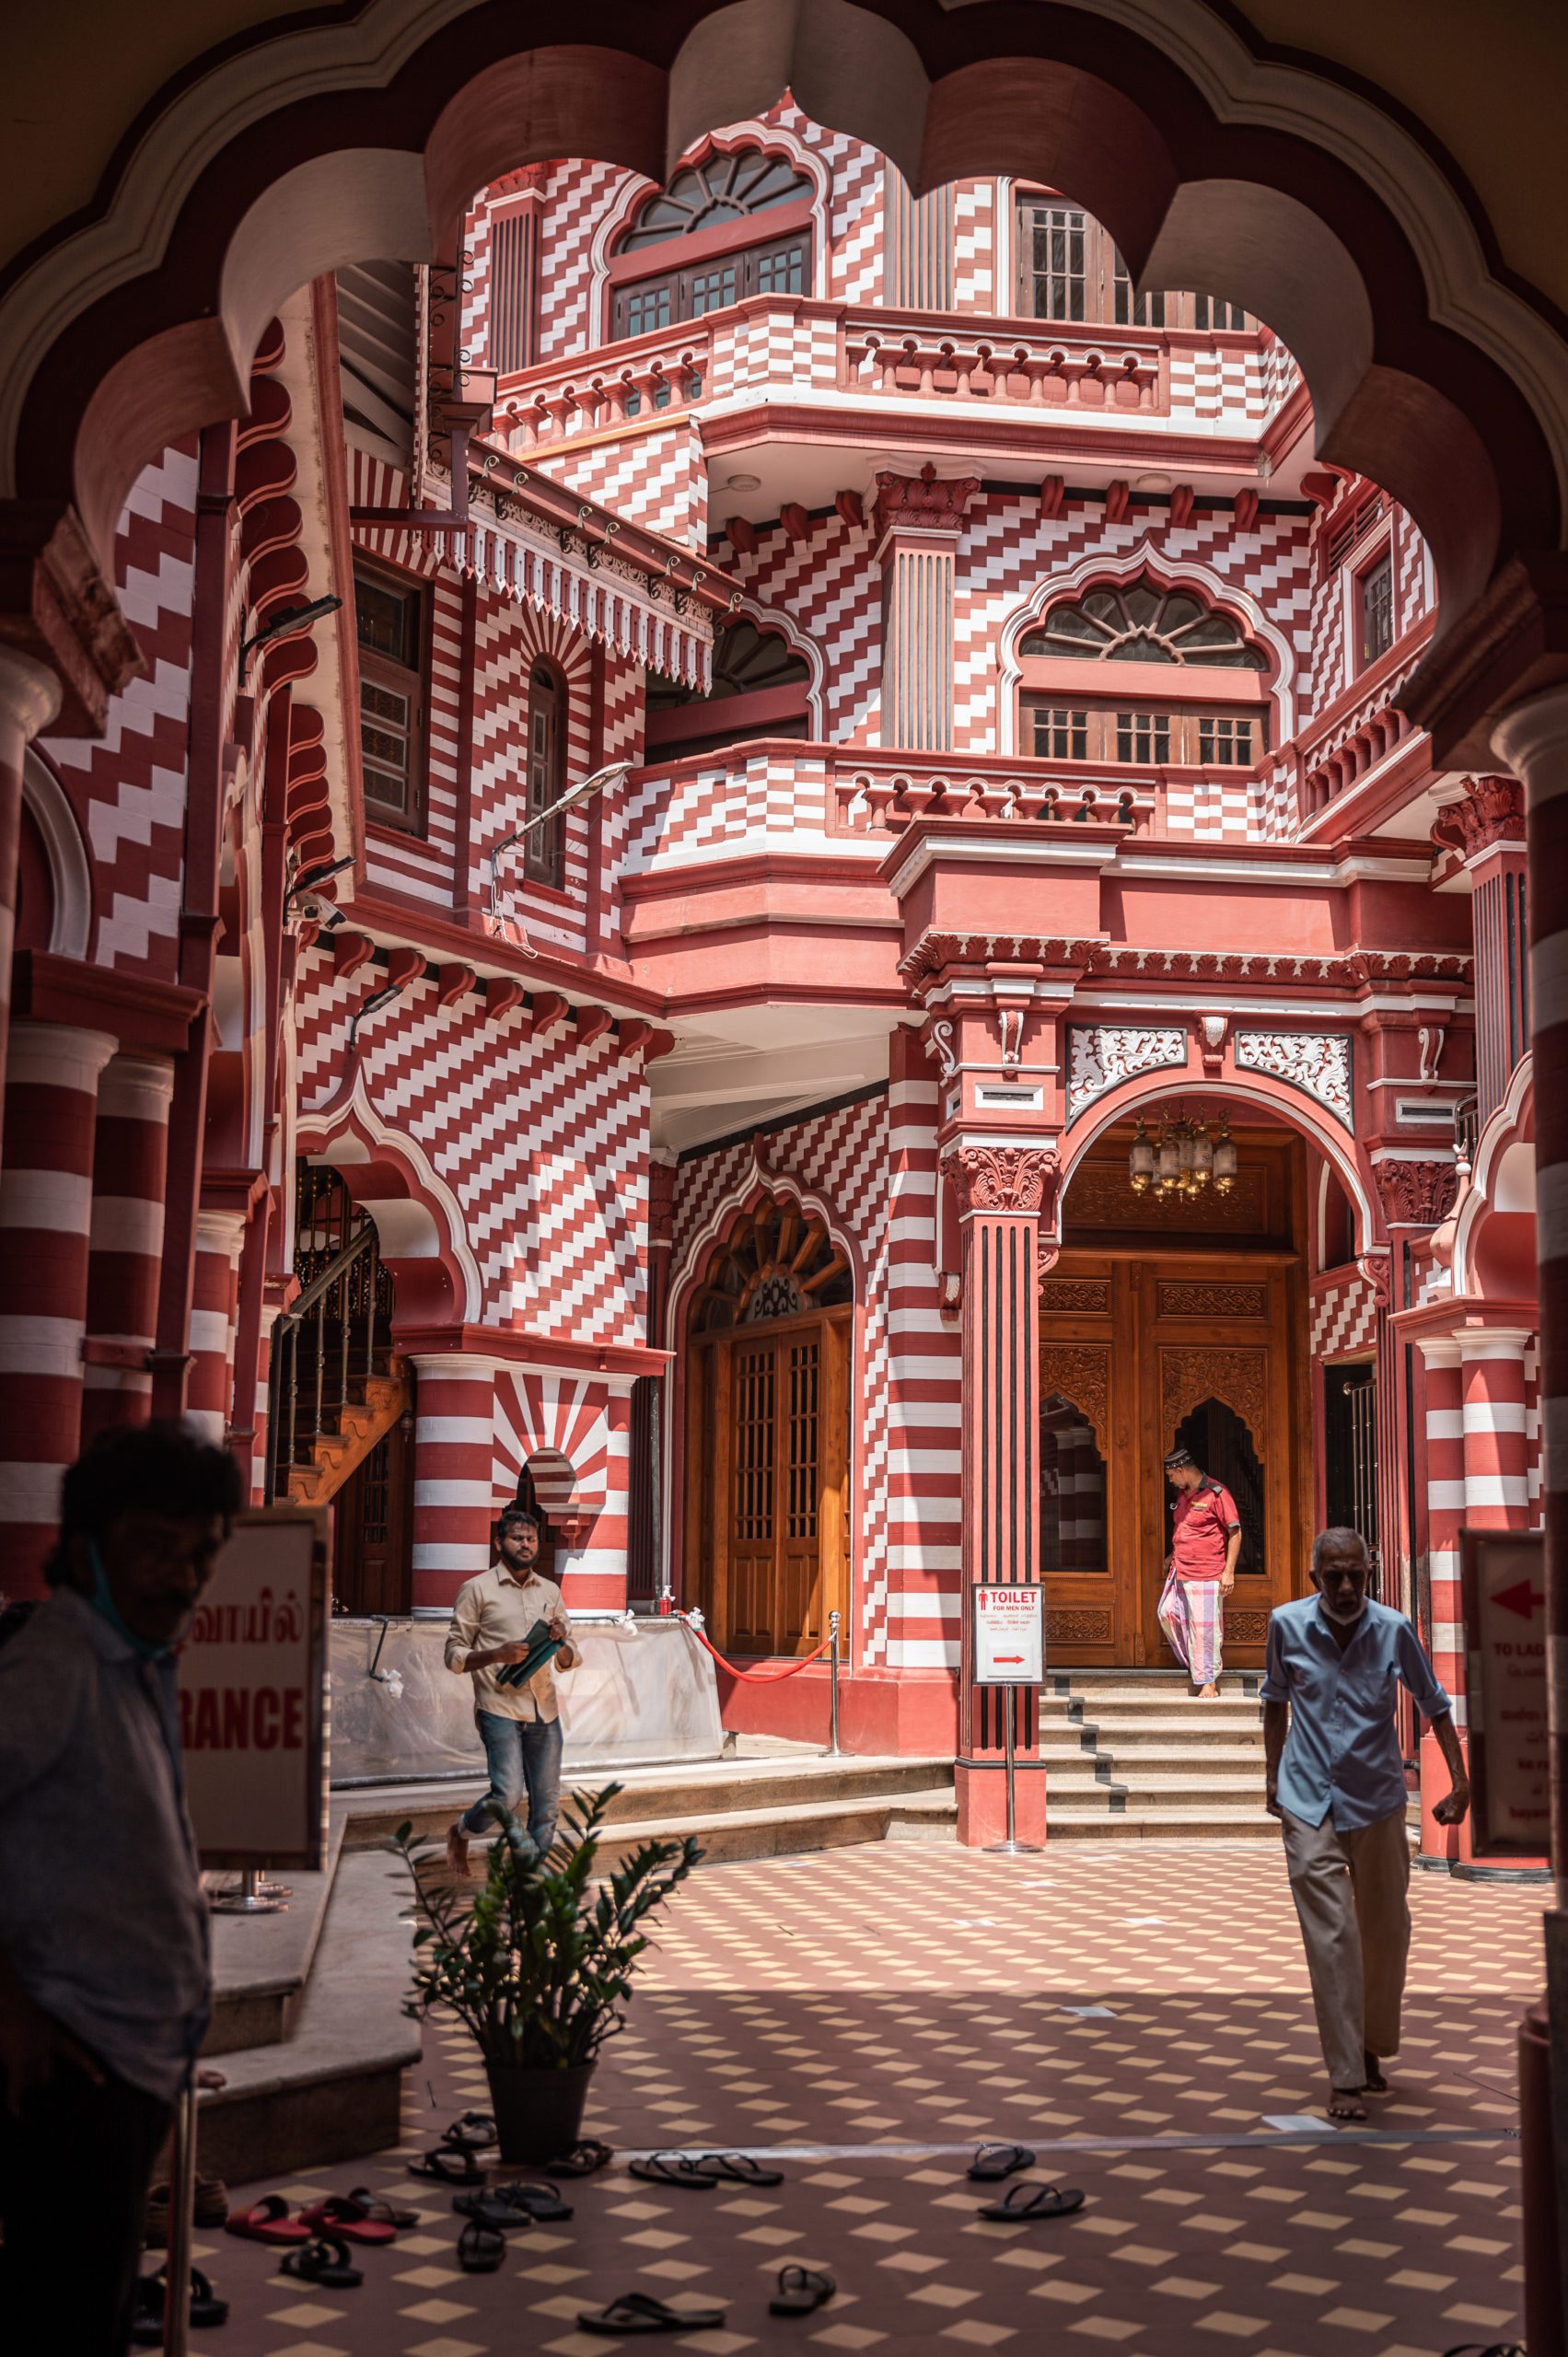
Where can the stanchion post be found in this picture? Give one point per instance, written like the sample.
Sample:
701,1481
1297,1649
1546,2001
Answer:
834,1748
181,2229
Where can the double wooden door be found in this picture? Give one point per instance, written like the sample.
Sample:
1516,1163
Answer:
1137,1356
768,1490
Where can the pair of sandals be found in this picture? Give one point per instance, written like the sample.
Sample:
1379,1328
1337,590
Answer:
517,2204
802,2290
359,2217
152,2299
993,2163
324,2261
701,2172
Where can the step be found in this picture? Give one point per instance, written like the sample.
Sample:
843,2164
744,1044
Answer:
332,2088
1073,1821
1198,1759
260,1963
1101,1776
731,1836
1122,1793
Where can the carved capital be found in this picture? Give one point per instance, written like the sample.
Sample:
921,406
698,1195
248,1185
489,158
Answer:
925,502
661,1202
1013,1179
58,606
1416,1195
1493,811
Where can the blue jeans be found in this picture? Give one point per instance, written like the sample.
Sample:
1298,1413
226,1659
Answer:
524,1760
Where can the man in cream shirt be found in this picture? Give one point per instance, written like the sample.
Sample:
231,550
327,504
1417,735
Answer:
520,1725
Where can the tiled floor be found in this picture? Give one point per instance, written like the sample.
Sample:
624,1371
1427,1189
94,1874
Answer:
877,2012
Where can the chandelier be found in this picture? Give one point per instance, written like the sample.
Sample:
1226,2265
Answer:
1183,1160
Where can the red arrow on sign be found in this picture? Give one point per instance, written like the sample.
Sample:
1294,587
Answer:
1000,1657
1521,1598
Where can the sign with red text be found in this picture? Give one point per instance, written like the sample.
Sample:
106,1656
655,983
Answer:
253,1696
1503,1575
1009,1636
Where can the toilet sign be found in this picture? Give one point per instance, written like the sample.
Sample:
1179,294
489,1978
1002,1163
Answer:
253,1696
1503,1575
1009,1636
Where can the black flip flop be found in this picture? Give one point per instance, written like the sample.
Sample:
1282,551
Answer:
739,2168
325,2261
672,2169
490,2210
639,2312
992,2163
448,2165
388,2212
474,2133
802,2290
1034,2201
481,2248
1491,2349
531,2200
583,2159
152,2293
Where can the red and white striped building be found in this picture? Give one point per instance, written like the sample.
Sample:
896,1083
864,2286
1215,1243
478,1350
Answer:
998,703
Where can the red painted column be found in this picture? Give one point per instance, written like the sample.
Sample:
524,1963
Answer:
130,1162
46,1186
1001,1192
1444,1520
454,1488
29,697
209,1395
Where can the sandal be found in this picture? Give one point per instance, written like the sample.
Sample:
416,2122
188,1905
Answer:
349,2218
583,2159
448,2165
323,2261
672,2169
474,2133
268,2221
802,2290
388,2212
639,2312
1034,2201
513,2204
738,2167
992,2163
152,2296
480,2250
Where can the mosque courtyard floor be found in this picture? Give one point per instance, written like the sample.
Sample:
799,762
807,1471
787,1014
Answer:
1137,2014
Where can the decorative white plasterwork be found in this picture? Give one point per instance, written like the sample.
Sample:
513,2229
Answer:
1316,1061
1103,1055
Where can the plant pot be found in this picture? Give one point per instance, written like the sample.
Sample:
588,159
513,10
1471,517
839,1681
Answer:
539,2113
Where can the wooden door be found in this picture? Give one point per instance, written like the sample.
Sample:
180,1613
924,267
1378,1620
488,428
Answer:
1137,1351
372,1524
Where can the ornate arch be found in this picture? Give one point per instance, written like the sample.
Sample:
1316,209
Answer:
747,1192
70,870
418,1218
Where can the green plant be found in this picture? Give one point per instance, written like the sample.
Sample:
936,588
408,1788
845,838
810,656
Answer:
540,1965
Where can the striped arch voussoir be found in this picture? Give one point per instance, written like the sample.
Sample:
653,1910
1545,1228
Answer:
557,1428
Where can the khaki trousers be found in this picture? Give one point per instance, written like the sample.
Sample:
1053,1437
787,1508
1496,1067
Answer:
1349,1892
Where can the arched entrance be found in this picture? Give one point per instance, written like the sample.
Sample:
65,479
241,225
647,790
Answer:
1173,1319
768,1338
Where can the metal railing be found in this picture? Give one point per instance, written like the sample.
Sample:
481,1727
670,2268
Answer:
323,1345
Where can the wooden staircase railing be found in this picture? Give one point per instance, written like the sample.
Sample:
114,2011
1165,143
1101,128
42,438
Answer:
336,1386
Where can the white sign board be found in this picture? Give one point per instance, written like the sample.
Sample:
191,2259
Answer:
1009,1636
252,1696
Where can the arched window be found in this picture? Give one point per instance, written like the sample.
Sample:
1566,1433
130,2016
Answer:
1218,723
731,226
547,731
759,689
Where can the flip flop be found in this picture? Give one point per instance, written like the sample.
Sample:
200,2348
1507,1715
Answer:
512,2204
447,2164
639,2312
583,2159
152,2294
802,2290
480,2250
474,2133
739,2168
268,2221
349,2218
388,2213
992,2163
1034,2201
1491,2349
673,2168
323,2261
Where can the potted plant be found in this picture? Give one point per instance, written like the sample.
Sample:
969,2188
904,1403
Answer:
538,1965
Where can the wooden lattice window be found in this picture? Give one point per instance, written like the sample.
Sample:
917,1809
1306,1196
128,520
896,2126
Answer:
719,209
1140,622
547,778
391,621
1068,270
776,1262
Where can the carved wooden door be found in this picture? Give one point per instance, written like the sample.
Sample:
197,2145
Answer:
1135,1355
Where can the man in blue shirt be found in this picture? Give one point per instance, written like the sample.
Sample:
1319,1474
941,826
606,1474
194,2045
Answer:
1337,1784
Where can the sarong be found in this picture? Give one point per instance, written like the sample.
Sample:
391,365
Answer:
1190,1614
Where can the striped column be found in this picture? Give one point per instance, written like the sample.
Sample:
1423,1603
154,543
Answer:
1001,1190
1444,1520
1533,743
209,1395
29,697
125,1242
1497,1475
454,1437
46,1186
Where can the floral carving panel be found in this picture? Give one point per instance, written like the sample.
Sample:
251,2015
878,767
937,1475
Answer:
1239,1379
1317,1062
1082,1377
1100,1056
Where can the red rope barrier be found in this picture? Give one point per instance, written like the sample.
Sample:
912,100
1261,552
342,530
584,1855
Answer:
760,1676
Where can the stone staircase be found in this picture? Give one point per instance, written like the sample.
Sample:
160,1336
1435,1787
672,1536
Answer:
1130,1754
349,1433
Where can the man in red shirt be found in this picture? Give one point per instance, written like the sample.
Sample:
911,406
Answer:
1204,1545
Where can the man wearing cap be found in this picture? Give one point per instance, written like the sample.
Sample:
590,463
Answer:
1200,1571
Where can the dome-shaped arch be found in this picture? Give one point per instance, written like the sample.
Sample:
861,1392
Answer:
418,1218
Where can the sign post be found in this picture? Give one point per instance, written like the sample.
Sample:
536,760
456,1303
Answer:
1503,1582
1009,1651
